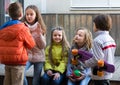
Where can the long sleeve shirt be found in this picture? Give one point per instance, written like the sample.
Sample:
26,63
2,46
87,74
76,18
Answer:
103,48
59,62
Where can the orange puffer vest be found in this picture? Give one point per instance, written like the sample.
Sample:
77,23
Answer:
14,40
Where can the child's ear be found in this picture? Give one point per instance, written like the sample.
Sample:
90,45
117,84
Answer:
21,15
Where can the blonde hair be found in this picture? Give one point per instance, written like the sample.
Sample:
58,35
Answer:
88,38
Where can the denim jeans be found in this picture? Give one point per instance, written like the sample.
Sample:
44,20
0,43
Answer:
85,81
48,80
37,71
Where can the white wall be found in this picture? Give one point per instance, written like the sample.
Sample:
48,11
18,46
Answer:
50,6
64,6
57,6
33,2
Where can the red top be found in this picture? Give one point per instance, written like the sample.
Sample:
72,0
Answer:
14,40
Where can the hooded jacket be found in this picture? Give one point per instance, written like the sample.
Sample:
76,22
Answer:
14,39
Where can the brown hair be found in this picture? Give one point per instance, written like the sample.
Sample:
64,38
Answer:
103,22
64,42
38,17
15,10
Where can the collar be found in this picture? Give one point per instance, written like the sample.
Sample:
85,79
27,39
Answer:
101,32
32,27
9,23
54,43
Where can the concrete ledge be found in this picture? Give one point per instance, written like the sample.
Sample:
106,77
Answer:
116,75
29,72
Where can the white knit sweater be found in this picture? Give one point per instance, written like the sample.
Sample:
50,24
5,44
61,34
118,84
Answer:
103,48
37,54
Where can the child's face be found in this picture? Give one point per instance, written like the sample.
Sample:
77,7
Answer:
30,16
80,37
57,36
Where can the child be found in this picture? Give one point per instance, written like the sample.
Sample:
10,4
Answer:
104,47
83,41
34,21
56,58
15,38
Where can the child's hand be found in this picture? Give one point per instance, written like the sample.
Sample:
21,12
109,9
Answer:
50,73
56,76
39,30
80,78
36,32
72,79
75,38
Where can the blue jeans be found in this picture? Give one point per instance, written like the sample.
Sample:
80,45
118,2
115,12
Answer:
85,81
37,71
48,80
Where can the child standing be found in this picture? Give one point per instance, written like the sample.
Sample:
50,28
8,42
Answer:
82,41
56,58
15,38
104,47
34,21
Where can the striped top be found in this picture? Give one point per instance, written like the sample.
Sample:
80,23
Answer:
104,48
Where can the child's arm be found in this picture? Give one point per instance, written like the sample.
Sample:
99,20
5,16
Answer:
63,63
62,67
69,70
47,60
80,78
28,39
39,37
97,55
40,41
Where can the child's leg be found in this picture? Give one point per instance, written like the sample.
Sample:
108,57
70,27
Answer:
17,75
70,82
7,79
45,79
101,82
37,71
28,65
85,81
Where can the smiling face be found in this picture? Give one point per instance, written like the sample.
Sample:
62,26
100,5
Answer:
30,16
80,37
57,36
